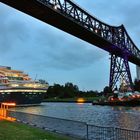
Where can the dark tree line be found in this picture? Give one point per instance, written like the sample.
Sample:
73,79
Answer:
68,90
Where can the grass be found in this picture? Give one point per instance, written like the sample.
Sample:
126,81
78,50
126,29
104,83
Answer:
17,131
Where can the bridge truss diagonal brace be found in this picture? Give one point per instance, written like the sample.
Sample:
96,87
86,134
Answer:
119,70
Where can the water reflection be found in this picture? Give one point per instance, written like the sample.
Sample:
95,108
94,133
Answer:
126,117
121,108
80,101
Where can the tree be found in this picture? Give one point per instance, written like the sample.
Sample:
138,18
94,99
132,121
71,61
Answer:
69,90
108,91
54,91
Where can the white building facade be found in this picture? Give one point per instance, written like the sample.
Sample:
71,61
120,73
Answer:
138,72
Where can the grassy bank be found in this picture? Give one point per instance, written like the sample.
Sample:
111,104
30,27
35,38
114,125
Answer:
17,131
87,99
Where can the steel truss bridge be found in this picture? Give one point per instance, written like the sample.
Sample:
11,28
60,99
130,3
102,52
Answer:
71,18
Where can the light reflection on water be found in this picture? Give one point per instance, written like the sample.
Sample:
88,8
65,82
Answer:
124,117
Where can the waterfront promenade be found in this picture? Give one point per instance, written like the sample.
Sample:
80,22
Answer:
76,129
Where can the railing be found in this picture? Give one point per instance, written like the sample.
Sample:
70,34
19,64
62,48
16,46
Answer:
4,111
118,36
75,128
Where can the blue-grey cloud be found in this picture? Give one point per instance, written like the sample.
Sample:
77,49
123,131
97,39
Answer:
44,46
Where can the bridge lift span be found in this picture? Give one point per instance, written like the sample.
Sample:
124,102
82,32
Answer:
69,17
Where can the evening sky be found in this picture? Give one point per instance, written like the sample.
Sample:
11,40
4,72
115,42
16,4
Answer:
45,52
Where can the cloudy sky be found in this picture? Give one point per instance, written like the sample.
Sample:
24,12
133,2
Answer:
39,49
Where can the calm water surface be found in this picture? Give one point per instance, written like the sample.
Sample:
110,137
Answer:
125,117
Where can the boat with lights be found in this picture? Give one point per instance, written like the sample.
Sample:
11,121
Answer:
18,87
121,99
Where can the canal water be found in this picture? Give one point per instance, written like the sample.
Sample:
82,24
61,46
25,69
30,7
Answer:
124,117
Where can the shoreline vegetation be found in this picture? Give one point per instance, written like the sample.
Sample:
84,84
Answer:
71,93
19,131
72,100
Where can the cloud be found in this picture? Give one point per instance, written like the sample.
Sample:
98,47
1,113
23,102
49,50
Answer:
42,45
13,31
59,53
66,52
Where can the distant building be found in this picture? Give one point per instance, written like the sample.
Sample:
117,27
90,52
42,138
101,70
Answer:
138,72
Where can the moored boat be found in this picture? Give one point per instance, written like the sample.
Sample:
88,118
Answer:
18,87
121,99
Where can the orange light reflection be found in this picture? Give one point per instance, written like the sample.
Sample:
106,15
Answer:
9,104
4,111
80,100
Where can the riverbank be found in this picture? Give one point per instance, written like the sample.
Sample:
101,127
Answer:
77,129
72,100
16,131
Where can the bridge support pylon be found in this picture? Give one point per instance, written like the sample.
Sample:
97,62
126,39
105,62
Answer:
120,71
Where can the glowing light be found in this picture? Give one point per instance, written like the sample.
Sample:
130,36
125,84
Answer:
4,111
120,99
80,100
133,96
96,31
22,90
14,85
111,99
138,95
55,7
9,104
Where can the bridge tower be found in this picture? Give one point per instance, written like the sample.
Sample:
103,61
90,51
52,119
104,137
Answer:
119,70
138,72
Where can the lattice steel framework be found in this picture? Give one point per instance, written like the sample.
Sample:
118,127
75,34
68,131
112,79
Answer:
119,70
118,36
